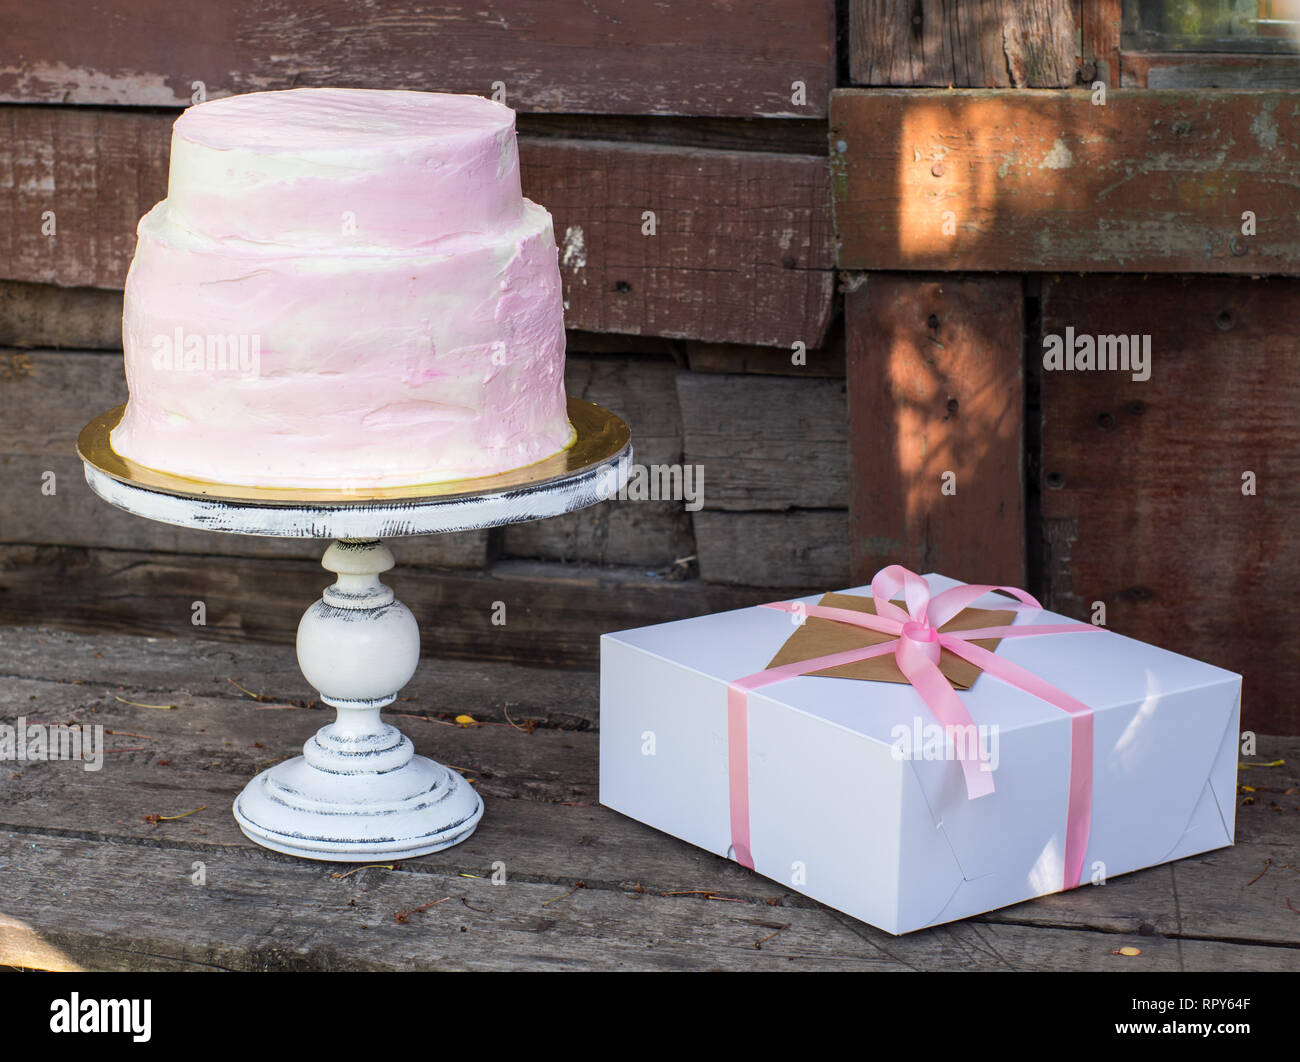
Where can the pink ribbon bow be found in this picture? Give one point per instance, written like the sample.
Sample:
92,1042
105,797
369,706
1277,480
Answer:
916,647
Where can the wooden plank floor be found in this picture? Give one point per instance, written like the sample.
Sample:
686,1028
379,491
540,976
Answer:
88,881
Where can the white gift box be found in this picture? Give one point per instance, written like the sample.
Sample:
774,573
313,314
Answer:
838,810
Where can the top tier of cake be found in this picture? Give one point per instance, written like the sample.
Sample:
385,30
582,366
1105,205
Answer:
343,287
319,167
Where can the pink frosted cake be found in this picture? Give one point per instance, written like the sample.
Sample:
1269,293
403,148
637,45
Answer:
343,287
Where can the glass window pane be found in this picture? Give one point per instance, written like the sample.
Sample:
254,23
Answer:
1261,26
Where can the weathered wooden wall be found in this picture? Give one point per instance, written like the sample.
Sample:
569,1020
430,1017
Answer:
978,43
1175,501
1031,182
935,408
598,57
1097,487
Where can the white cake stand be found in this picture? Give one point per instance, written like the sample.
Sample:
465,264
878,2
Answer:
358,792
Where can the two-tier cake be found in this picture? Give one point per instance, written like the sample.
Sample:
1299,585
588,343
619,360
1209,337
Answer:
343,287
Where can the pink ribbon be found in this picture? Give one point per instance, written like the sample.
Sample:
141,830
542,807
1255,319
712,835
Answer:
916,648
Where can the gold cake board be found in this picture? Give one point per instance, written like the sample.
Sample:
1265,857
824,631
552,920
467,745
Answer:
598,437
592,468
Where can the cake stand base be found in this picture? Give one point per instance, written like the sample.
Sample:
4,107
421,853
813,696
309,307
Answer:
305,809
358,791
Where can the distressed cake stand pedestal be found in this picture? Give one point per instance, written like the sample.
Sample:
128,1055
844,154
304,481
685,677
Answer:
358,792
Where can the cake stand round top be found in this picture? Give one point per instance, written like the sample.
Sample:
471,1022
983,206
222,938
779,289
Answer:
591,469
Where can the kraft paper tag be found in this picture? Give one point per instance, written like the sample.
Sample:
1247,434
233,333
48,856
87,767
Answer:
821,637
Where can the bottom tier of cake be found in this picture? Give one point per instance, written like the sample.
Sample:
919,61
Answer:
269,366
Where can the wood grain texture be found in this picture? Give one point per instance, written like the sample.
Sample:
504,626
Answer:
604,57
766,442
804,549
741,251
742,244
1100,25
935,387
45,315
641,907
543,781
46,398
649,533
826,360
554,613
1142,481
1182,70
772,453
151,670
1032,182
800,136
260,914
73,186
975,44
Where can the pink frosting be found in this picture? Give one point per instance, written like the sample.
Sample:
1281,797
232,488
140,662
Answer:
431,350
307,166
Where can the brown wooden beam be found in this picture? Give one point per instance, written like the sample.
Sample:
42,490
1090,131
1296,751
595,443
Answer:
935,427
1050,181
984,44
708,57
765,442
1100,23
1180,70
1143,501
